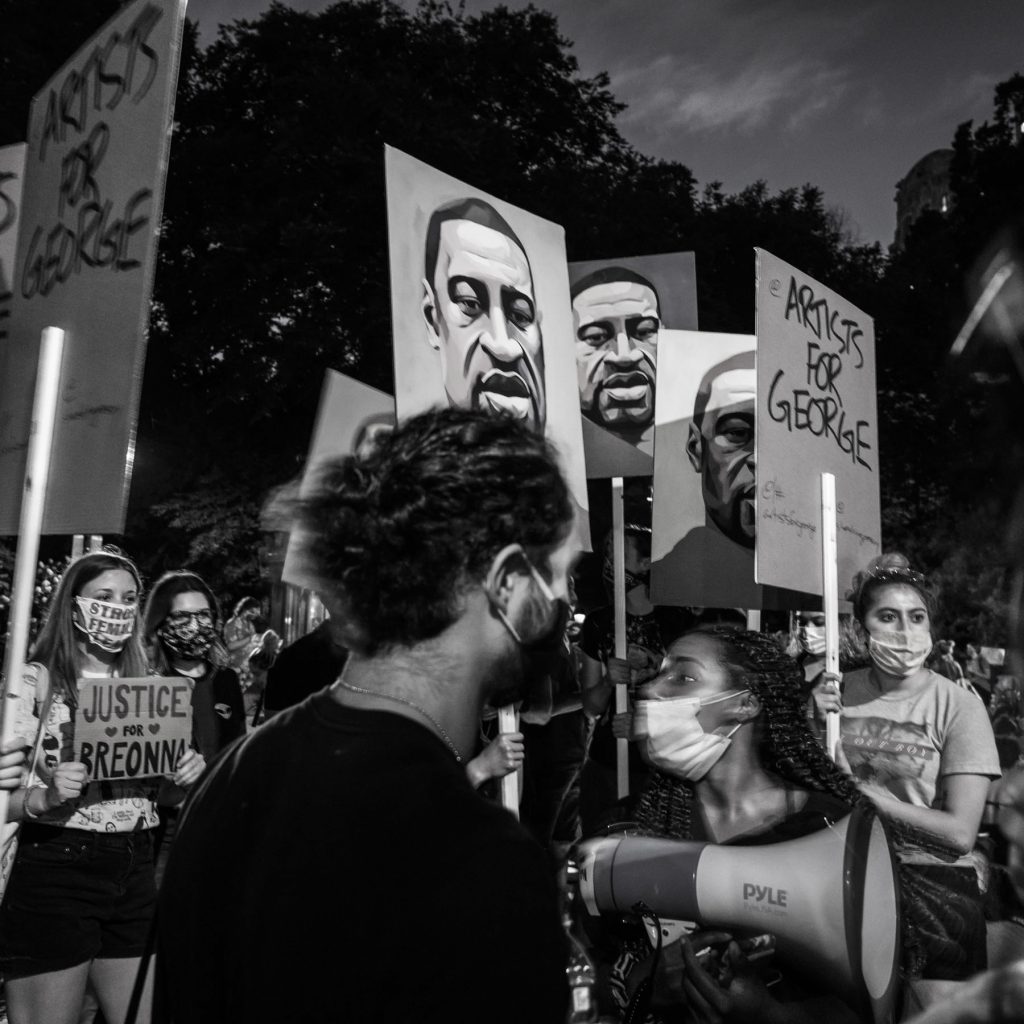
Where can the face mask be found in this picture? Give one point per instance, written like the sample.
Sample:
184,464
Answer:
107,625
543,642
812,639
188,635
898,653
672,740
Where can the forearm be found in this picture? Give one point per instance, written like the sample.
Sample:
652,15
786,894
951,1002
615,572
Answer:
945,828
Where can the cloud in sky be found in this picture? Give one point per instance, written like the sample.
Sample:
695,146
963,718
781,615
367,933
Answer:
737,66
701,98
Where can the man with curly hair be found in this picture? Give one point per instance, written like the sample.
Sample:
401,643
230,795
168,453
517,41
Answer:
338,865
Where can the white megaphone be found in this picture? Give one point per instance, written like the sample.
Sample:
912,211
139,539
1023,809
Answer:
831,899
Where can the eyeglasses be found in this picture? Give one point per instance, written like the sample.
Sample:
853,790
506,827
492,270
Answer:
200,618
898,574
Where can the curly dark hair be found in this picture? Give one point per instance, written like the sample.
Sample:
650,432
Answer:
786,744
396,535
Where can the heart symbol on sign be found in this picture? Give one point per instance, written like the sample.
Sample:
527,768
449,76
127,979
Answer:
154,727
111,730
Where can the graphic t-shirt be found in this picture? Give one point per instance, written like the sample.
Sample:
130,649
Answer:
906,744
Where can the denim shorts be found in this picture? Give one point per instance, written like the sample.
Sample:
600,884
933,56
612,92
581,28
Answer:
74,896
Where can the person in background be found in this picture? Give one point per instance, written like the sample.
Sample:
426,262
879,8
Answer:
266,646
82,892
556,734
181,631
239,637
649,630
921,749
303,667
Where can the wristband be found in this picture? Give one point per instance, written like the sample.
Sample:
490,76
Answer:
25,809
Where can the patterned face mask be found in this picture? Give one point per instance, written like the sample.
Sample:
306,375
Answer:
107,624
188,634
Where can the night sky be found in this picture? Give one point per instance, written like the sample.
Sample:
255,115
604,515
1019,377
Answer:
846,96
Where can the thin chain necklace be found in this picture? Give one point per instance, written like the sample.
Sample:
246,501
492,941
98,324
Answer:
412,704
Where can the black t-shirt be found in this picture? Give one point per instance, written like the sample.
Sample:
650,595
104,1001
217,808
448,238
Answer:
304,667
338,866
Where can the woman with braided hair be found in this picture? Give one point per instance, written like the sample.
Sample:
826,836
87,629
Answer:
734,760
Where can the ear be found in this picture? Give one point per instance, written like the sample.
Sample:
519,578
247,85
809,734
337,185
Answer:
695,446
505,576
428,305
750,707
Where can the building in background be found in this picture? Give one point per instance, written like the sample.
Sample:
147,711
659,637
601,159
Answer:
925,187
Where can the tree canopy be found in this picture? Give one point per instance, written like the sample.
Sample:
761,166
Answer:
273,257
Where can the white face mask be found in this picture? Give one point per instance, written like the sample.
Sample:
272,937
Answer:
812,639
898,653
108,625
672,740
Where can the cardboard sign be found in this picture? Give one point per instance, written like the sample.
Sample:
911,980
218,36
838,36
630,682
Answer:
12,171
480,310
619,308
816,413
93,189
348,414
132,728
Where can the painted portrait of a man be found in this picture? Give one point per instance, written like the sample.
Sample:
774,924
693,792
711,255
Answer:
720,447
705,472
620,309
480,311
616,317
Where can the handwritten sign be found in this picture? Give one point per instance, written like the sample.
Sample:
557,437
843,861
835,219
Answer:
816,413
12,171
90,214
132,728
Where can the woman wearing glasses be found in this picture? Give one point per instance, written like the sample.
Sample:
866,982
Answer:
180,629
921,749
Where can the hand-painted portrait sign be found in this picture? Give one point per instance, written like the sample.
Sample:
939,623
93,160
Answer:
351,415
619,308
705,477
98,141
132,728
480,309
816,413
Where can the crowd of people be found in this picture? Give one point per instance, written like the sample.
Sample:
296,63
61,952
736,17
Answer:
332,843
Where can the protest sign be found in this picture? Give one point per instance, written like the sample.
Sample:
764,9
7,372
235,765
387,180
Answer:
349,414
480,310
702,544
12,170
132,728
90,213
816,413
619,306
